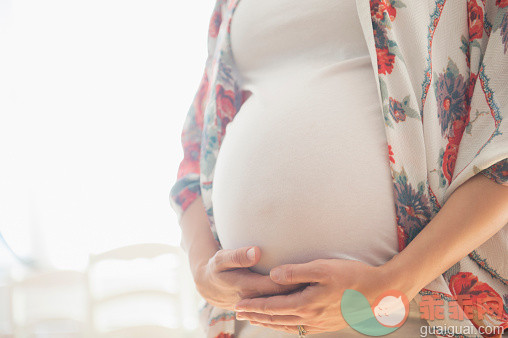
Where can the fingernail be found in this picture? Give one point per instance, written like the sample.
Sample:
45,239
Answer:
275,274
251,254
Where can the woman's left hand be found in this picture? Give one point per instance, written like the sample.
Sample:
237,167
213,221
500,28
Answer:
317,306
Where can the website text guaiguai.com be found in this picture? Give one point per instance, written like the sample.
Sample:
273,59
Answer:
458,330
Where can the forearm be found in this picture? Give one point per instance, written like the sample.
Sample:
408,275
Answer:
197,238
472,214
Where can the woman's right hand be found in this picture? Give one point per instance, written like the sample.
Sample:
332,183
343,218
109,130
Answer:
225,279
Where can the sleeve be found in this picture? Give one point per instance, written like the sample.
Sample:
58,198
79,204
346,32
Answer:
187,186
496,19
484,145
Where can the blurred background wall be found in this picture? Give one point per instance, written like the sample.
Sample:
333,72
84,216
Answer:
93,95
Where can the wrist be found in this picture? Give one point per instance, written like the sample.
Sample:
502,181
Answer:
396,276
200,252
198,272
199,264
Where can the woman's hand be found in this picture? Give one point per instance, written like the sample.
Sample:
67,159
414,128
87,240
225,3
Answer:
317,307
225,279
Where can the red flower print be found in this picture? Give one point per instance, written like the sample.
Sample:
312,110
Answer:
191,155
385,61
215,24
378,7
199,102
499,173
402,238
475,20
224,335
390,154
392,12
412,207
502,3
452,148
225,103
451,94
485,311
470,90
446,103
458,127
187,196
449,158
192,151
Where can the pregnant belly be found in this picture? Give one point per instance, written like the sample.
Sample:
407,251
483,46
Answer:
306,179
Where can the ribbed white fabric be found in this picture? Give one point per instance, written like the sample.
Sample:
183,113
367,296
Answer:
310,139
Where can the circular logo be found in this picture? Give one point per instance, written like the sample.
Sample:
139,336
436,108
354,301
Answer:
388,312
391,308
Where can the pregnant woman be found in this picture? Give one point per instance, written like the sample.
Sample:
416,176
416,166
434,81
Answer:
304,179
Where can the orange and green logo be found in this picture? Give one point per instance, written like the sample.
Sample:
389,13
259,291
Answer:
388,312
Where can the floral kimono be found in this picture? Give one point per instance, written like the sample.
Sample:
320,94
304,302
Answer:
441,68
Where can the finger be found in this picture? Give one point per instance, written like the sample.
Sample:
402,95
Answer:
314,271
226,259
289,328
280,305
252,284
284,328
268,319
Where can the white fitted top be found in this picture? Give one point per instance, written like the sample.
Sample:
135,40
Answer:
303,169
